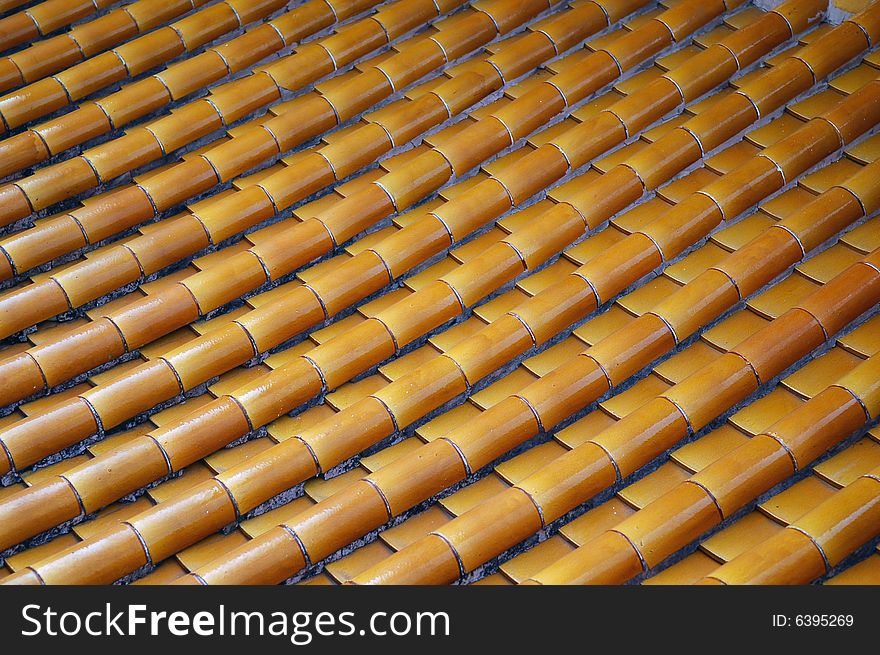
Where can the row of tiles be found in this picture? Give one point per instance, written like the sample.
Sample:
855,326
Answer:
747,422
46,94
690,401
50,16
335,101
499,392
284,372
440,269
417,282
198,118
640,392
129,247
130,340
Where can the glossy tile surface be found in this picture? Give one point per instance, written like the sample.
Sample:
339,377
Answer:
521,290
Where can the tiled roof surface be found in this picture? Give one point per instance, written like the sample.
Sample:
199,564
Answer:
515,291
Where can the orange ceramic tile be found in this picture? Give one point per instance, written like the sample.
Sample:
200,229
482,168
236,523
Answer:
320,489
523,465
190,477
210,549
587,249
815,105
472,495
653,485
494,579
537,282
554,356
789,505
829,263
415,527
109,443
498,391
39,475
864,341
865,151
322,579
317,325
585,428
264,522
238,377
700,453
846,466
736,328
823,371
288,426
865,237
687,361
39,553
689,267
594,521
500,305
751,529
601,326
765,411
358,561
780,298
166,573
866,572
111,516
446,422
774,131
536,558
229,457
687,571
786,203
679,189
739,234
826,177
648,295
401,366
637,395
